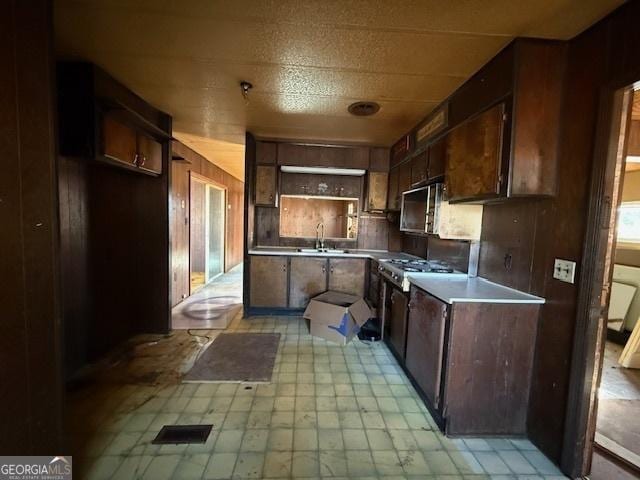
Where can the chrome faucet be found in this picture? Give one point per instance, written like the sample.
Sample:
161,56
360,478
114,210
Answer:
319,238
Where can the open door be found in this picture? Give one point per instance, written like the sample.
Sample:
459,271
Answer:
600,408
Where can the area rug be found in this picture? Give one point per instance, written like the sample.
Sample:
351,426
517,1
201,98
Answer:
236,358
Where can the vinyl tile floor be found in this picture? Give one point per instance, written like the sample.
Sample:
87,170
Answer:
330,412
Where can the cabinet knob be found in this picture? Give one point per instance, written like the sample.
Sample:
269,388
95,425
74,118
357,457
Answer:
135,159
144,160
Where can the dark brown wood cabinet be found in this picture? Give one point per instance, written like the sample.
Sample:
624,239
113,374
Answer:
119,140
404,177
474,157
377,187
397,322
419,175
266,185
437,159
321,185
266,153
471,361
322,156
425,343
149,154
268,281
123,144
347,275
393,198
308,278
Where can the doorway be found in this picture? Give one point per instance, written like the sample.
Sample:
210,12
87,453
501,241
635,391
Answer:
605,404
207,228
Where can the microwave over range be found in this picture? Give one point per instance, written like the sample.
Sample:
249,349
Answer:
420,209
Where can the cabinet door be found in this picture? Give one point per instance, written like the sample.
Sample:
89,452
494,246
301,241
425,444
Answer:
474,157
149,154
377,186
266,185
268,281
119,141
266,153
393,201
419,169
345,186
404,177
398,322
437,159
308,278
425,342
347,275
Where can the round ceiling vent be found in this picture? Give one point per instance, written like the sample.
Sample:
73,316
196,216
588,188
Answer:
363,109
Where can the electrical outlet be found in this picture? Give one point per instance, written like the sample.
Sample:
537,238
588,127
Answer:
564,270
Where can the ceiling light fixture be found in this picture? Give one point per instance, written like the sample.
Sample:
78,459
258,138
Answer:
245,86
363,109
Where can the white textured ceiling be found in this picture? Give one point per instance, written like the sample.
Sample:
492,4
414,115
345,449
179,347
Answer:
308,60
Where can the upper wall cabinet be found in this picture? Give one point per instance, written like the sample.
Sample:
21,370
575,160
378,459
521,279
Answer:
124,144
525,82
100,118
474,157
266,186
266,153
323,156
493,154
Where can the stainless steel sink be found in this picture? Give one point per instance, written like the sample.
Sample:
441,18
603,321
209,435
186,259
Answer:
322,250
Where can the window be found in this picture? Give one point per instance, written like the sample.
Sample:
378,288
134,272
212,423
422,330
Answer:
629,222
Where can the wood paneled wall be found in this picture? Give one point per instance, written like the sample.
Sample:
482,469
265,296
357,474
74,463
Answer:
30,356
114,238
234,236
520,240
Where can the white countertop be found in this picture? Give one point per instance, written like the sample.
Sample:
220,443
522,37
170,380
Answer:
452,288
352,253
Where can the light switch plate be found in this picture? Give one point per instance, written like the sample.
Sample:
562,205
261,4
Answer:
564,270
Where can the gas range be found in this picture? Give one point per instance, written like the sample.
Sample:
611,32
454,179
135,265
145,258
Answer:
396,270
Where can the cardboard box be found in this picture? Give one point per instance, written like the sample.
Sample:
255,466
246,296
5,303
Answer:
336,316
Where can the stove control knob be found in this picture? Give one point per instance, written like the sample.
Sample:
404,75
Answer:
380,268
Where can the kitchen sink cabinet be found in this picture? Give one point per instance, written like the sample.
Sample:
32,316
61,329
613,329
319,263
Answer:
393,198
347,275
266,185
397,322
425,342
474,157
268,281
377,186
308,278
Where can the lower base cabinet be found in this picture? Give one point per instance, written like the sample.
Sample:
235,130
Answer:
397,323
425,343
348,275
308,279
289,282
268,281
472,362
